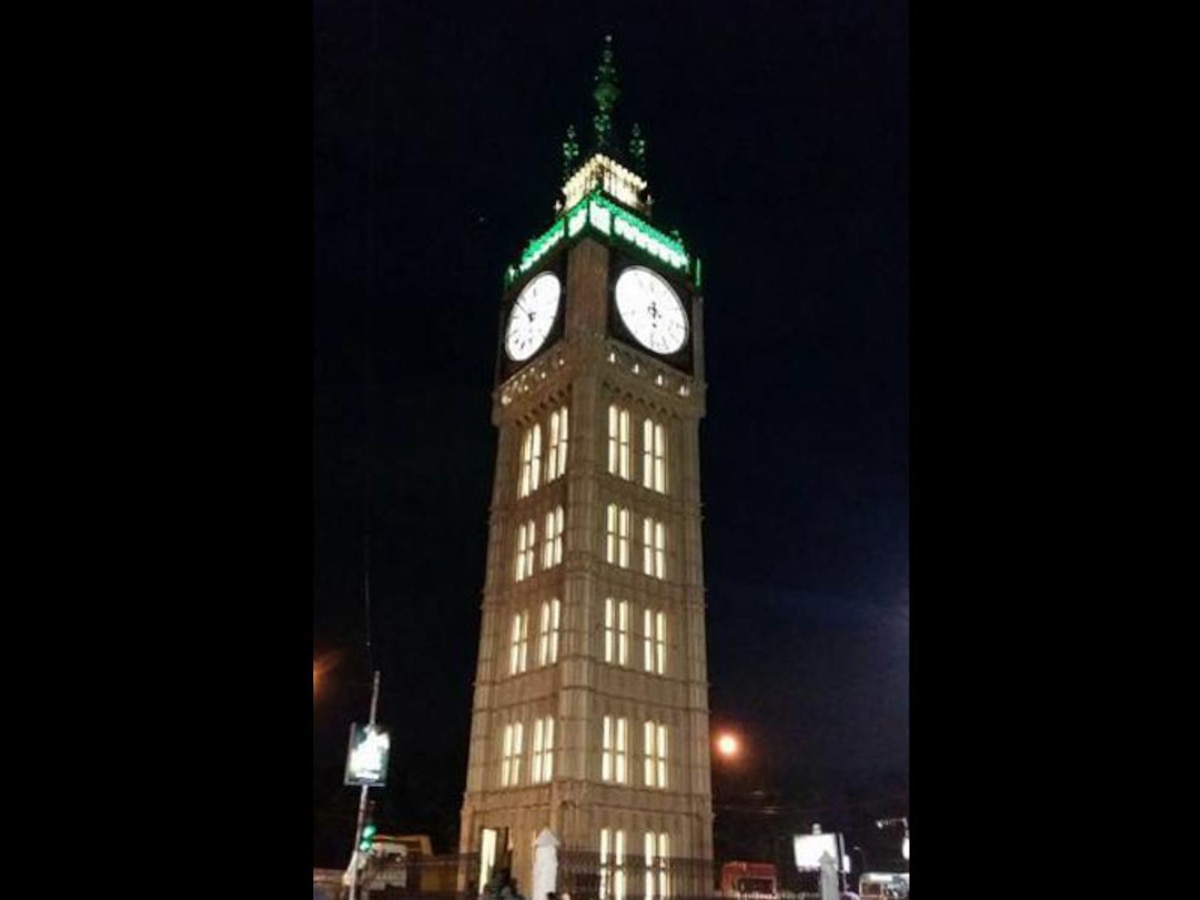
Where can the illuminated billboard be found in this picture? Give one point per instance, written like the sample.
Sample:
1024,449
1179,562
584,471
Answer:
810,847
367,759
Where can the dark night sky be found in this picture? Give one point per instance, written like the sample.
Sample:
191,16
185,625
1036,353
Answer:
778,145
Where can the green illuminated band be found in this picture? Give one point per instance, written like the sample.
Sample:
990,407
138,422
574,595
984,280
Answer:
598,212
539,247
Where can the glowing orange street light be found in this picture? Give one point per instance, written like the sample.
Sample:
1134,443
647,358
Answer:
322,666
728,746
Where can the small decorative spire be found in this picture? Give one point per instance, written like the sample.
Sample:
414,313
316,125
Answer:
606,94
570,152
637,148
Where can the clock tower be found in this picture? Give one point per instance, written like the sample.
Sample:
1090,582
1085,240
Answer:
589,728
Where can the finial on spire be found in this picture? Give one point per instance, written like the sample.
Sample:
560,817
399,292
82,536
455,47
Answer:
570,151
606,94
637,148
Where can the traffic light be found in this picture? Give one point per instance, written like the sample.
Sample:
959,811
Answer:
368,837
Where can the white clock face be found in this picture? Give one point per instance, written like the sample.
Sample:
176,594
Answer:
532,317
651,310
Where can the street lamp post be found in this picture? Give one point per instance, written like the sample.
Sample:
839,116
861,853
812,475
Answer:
862,856
362,805
902,820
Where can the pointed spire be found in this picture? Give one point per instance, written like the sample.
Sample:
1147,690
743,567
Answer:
606,94
608,162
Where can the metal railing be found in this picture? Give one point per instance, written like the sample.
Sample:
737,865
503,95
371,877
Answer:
582,874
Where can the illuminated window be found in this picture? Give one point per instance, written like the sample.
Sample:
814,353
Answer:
658,854
487,854
531,461
612,865
655,642
526,539
616,548
552,545
655,746
654,456
518,650
548,633
614,749
654,548
510,759
616,632
556,453
648,546
543,750
618,441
